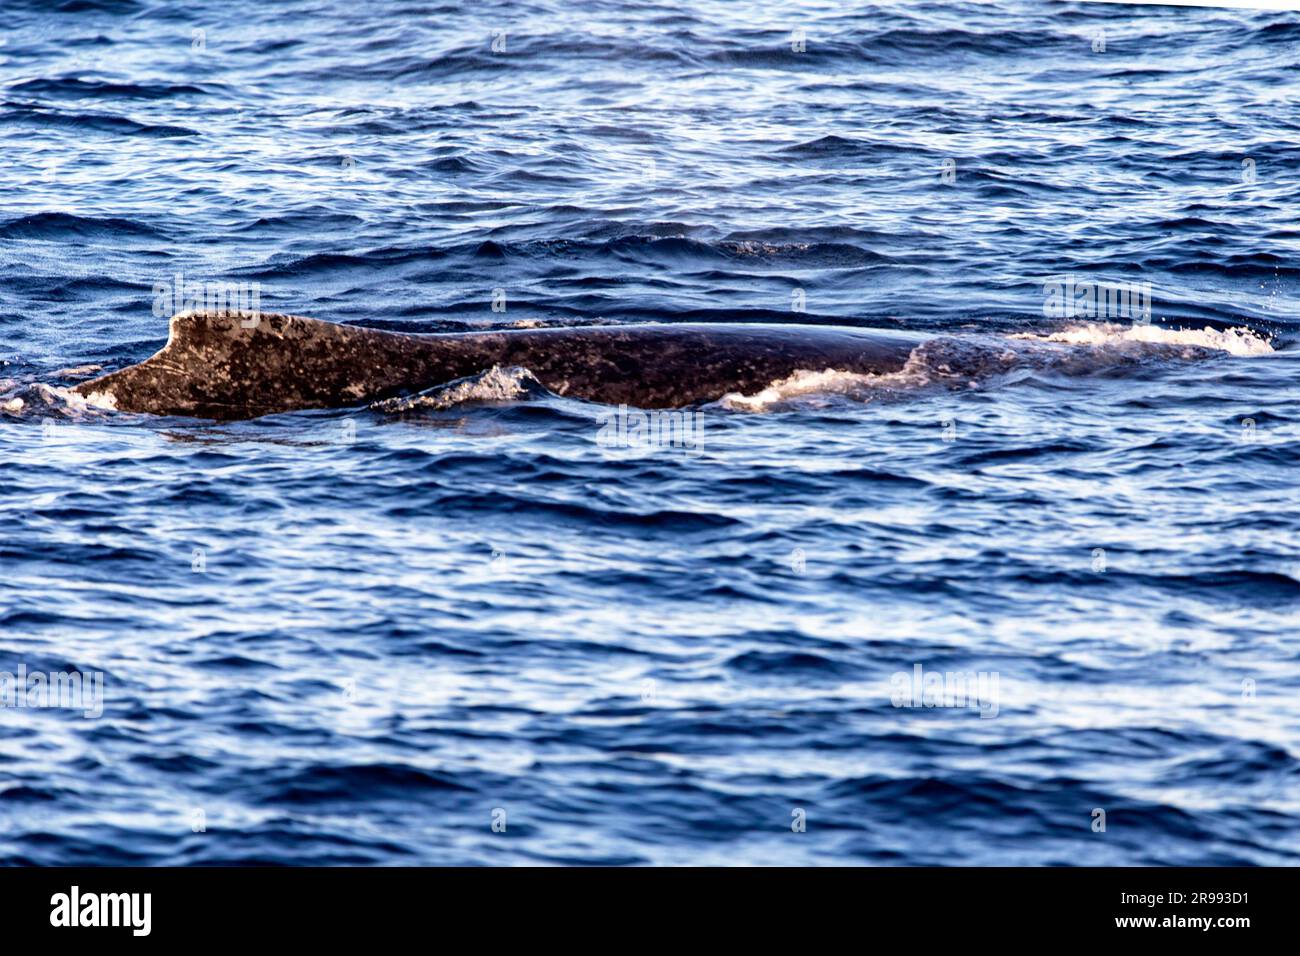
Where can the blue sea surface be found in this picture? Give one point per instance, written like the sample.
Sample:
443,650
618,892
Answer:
471,632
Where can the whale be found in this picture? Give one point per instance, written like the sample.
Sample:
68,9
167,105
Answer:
232,365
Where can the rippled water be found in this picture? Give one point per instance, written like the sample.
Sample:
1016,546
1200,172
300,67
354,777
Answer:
367,635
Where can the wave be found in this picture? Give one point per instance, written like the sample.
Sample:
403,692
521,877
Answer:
99,6
77,88
32,115
670,249
62,225
833,146
321,783
638,247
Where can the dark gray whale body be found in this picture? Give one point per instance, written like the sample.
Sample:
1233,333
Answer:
233,365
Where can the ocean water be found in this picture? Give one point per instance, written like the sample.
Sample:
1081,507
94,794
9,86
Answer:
467,631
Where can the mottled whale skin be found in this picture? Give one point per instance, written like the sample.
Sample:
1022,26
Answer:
236,365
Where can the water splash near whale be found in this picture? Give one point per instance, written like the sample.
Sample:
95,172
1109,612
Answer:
1240,341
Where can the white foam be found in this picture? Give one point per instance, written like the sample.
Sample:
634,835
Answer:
497,384
802,382
80,371
38,396
807,383
76,402
104,401
1237,341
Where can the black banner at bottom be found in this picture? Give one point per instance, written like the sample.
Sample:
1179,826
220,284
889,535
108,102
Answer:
653,906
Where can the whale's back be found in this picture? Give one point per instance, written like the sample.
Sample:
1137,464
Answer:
230,365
